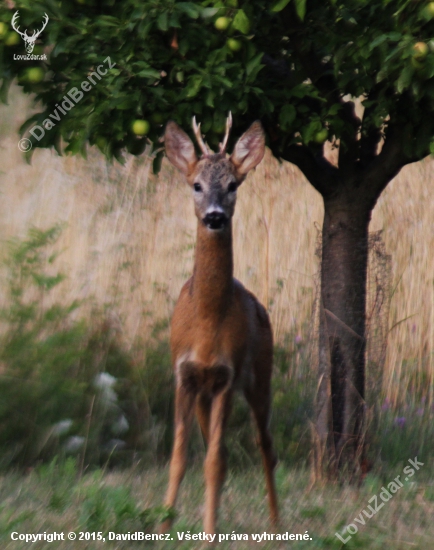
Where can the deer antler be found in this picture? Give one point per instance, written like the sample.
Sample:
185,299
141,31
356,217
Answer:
201,143
14,22
44,24
224,143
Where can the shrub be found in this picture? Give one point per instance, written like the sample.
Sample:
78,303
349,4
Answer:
50,363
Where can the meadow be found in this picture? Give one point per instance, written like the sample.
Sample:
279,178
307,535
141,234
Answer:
93,258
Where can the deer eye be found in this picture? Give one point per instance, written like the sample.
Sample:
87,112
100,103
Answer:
232,187
197,187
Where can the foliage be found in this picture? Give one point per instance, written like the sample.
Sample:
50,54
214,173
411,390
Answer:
97,505
41,356
292,412
403,431
297,62
53,366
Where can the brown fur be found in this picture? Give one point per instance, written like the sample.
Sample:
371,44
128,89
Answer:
221,337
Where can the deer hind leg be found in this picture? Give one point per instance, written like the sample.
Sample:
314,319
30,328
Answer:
184,414
260,404
215,462
203,412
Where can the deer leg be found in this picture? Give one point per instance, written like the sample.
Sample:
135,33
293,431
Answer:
184,413
203,412
260,405
215,462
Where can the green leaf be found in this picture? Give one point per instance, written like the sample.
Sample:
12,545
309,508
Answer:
149,73
334,109
241,22
405,78
392,36
194,85
300,8
279,5
287,116
206,13
162,21
254,65
108,21
308,131
191,9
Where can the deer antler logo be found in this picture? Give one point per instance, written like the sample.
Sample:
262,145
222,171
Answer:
28,40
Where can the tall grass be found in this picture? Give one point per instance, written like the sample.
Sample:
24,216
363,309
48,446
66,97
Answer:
52,498
128,246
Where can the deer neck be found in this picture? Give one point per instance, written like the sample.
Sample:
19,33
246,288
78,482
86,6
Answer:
213,272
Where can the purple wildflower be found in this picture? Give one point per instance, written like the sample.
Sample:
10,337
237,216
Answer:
400,421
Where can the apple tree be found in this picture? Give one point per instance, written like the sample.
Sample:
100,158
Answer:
115,72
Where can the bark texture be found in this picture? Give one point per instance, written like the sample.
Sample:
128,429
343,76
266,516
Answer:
341,369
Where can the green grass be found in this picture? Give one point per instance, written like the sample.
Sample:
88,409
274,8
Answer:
54,498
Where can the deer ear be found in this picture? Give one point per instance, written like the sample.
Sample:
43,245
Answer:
249,149
179,148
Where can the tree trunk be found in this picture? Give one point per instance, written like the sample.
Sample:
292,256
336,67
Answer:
341,386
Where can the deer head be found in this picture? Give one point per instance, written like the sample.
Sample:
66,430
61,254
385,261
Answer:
214,178
28,40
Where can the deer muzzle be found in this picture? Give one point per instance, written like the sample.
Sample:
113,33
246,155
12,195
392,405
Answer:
215,220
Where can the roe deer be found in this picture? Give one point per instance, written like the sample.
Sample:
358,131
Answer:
221,336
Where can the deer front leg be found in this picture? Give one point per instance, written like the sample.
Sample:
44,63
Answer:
184,413
215,462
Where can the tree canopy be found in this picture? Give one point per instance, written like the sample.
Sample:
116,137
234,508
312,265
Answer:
293,64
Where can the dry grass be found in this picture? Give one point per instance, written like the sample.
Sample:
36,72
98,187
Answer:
46,501
129,240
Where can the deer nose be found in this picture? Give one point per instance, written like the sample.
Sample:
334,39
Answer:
215,219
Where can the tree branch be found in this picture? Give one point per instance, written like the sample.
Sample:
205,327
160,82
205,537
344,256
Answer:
321,174
388,163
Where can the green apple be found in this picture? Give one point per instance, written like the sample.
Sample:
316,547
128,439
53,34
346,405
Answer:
12,39
34,75
3,29
429,9
321,136
157,118
420,51
234,44
222,23
140,127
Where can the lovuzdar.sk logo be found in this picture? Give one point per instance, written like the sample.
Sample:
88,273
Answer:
29,41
